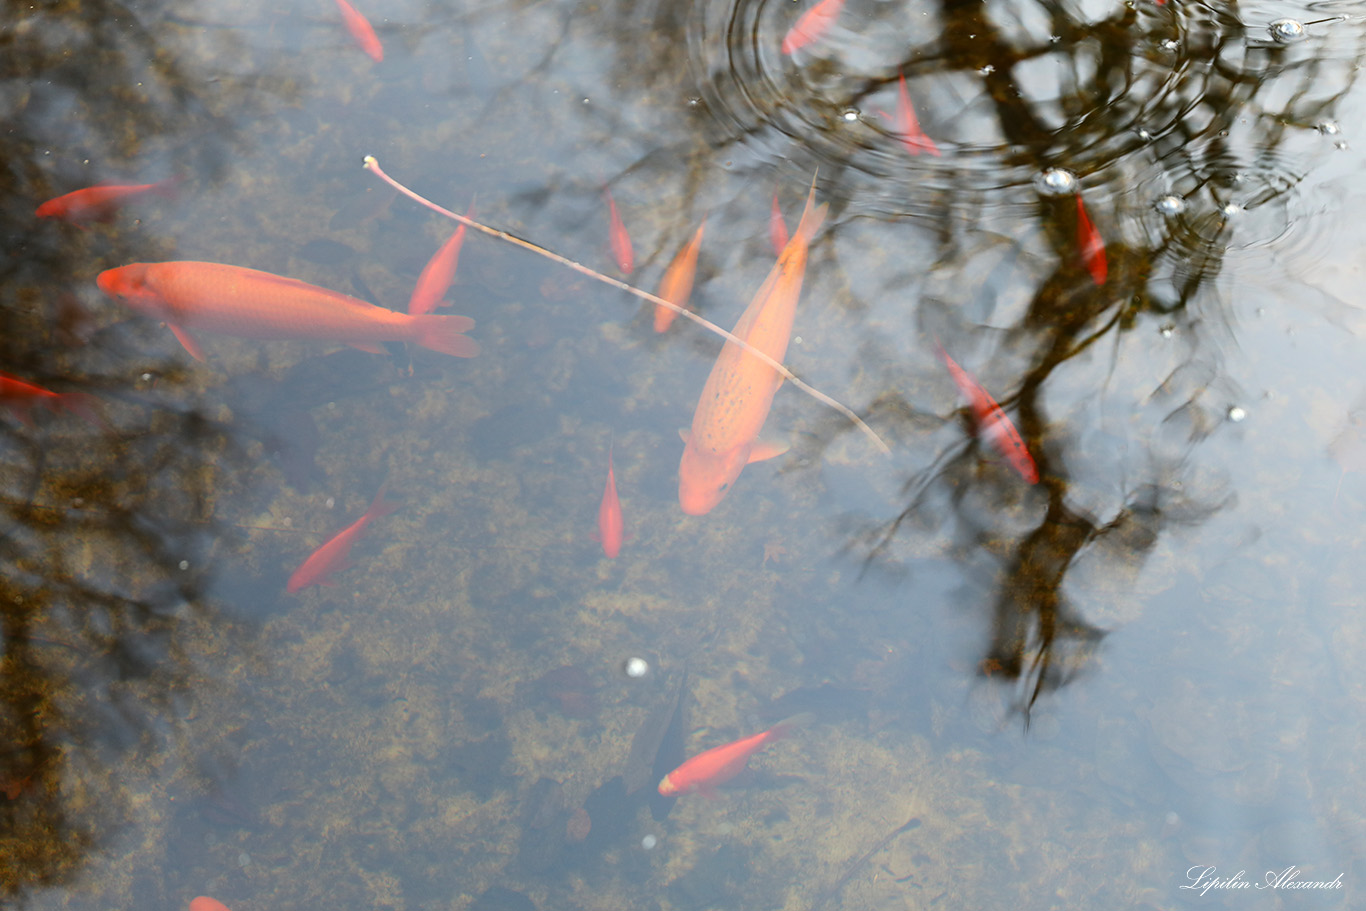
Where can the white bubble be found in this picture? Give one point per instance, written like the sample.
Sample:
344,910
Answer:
1329,127
1056,182
1170,205
851,115
648,842
637,667
1236,414
184,564
1287,30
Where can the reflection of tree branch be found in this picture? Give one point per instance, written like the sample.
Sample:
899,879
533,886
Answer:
104,530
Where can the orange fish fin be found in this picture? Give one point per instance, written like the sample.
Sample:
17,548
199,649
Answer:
188,341
372,347
763,450
684,433
443,334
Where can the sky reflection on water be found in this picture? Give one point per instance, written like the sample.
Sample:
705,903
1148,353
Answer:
1082,688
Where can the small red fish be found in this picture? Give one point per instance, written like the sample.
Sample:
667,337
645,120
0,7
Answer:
204,903
621,241
991,421
777,228
908,125
720,764
676,285
21,397
98,203
438,274
1092,247
609,515
335,555
361,32
812,24
249,303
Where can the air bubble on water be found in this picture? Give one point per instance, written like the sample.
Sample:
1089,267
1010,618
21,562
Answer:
987,70
649,842
184,565
1340,145
850,115
331,502
1236,414
1169,44
1329,127
1167,331
1170,205
1056,182
1231,209
637,667
1287,30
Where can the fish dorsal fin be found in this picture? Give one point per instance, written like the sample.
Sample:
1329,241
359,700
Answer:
684,433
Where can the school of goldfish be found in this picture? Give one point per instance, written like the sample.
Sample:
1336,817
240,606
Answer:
194,298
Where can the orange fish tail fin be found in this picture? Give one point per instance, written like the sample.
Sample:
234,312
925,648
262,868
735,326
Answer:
444,334
813,216
83,405
788,725
380,507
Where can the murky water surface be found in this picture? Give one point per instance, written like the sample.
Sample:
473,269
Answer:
1133,225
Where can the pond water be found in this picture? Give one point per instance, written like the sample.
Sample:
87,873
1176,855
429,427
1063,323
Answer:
1133,684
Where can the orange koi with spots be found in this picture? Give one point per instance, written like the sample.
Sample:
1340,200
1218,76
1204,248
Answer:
739,392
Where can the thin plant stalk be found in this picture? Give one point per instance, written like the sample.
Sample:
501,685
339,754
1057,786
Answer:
373,165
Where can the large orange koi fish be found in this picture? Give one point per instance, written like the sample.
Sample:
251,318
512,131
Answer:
251,304
740,389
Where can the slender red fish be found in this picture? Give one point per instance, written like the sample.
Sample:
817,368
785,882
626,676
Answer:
777,228
676,285
812,24
335,555
98,203
251,304
361,32
991,421
438,274
204,903
908,125
621,241
21,397
1092,247
720,764
610,525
